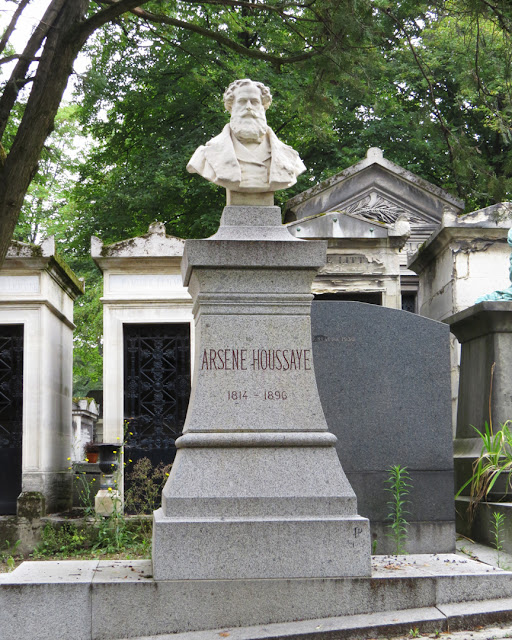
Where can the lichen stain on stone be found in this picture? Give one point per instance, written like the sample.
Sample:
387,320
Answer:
501,214
31,505
112,249
477,244
24,250
79,284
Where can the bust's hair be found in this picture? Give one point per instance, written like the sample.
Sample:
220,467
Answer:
229,94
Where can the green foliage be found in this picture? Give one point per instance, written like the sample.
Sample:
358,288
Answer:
48,207
162,102
94,538
86,493
398,485
88,336
92,535
113,534
495,460
64,538
9,554
144,494
415,92
498,523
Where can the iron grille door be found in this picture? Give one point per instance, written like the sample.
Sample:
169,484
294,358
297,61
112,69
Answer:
11,415
156,390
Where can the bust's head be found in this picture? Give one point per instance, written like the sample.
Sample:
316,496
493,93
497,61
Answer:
247,102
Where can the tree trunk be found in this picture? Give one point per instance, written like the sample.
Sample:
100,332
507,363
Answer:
63,43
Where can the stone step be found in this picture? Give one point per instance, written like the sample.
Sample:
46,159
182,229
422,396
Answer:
445,618
113,600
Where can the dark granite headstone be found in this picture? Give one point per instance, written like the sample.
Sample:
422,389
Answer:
384,382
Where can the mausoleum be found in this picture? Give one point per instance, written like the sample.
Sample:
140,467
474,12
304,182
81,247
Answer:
37,291
384,194
466,257
85,414
148,338
363,258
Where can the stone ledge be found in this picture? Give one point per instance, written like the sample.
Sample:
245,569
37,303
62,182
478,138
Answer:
113,600
427,620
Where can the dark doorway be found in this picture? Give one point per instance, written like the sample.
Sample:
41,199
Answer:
354,296
409,301
156,390
11,415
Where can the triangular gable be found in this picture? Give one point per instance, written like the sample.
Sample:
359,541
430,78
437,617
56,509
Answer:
379,191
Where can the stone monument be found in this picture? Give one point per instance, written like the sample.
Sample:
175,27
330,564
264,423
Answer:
258,523
256,490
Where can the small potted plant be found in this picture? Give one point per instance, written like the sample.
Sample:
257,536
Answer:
91,450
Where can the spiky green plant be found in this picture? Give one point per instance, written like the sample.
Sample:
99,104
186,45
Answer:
398,485
494,461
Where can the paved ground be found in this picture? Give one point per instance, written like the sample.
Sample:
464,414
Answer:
487,633
489,556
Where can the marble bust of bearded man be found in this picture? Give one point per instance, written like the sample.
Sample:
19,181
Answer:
247,156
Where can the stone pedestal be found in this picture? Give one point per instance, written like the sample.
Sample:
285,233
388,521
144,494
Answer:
257,489
485,334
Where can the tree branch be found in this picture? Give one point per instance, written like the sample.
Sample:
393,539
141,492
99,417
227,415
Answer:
224,40
16,57
115,9
501,18
19,72
281,10
12,24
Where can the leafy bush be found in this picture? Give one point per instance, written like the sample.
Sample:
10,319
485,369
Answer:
146,484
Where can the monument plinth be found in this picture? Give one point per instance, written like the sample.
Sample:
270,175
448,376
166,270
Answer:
256,489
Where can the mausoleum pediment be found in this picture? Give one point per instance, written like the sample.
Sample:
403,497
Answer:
378,190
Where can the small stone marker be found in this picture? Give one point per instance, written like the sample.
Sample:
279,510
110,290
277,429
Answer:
256,489
105,502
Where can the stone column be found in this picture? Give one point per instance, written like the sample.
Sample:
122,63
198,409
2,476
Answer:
257,489
485,334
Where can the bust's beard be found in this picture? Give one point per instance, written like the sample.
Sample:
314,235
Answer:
249,129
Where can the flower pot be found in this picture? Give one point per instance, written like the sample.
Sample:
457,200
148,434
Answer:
108,463
92,457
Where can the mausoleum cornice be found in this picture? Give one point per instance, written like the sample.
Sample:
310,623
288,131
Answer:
153,250
468,232
32,258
